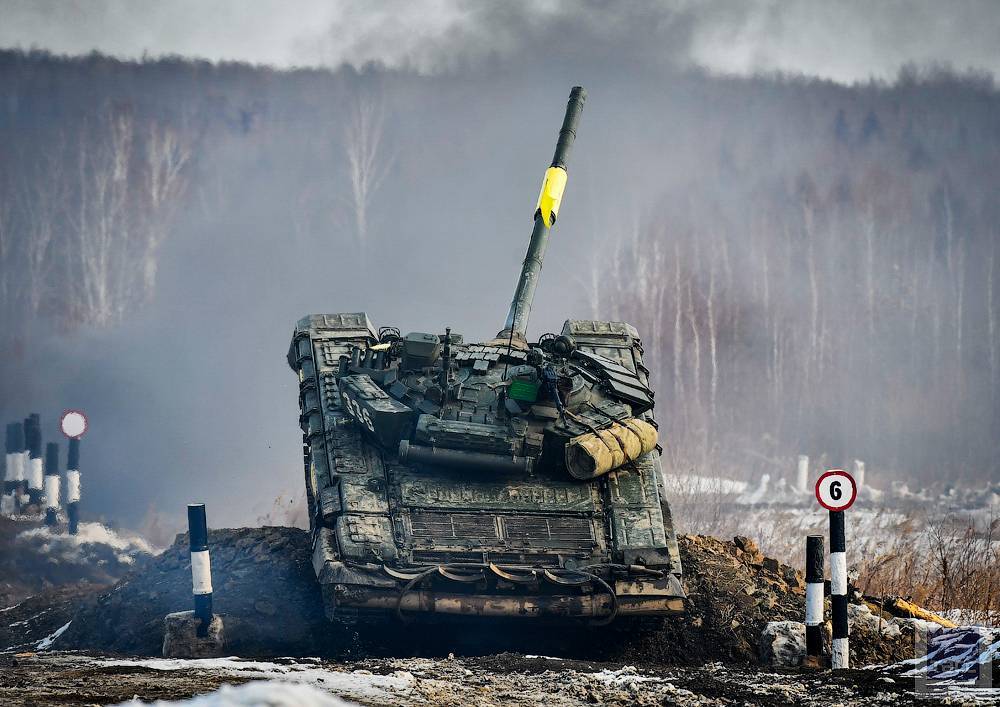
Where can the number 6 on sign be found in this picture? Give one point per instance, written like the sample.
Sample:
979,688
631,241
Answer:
836,490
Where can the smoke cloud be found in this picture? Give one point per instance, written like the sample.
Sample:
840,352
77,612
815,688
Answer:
189,397
844,41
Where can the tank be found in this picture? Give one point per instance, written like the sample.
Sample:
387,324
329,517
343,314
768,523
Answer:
497,477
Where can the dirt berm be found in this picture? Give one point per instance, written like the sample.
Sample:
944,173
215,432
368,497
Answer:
265,589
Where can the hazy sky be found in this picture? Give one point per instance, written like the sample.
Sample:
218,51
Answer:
845,41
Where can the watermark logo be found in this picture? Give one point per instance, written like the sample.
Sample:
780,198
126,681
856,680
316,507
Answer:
953,659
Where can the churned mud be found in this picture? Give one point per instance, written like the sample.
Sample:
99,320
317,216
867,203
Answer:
505,679
86,643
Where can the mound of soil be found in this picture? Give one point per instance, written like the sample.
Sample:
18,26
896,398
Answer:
266,591
24,625
733,591
263,584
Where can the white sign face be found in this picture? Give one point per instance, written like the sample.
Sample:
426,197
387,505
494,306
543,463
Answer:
836,490
73,423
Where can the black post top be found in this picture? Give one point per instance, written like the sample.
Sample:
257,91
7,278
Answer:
197,527
52,459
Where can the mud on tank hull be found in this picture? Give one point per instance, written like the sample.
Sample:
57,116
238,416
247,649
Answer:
394,537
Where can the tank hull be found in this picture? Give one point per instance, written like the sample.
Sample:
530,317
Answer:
415,539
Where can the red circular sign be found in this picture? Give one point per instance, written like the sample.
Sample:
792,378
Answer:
836,490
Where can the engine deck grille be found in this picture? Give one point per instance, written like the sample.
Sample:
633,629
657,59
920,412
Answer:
503,558
454,525
554,528
498,530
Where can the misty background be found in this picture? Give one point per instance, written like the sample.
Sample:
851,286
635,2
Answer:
795,204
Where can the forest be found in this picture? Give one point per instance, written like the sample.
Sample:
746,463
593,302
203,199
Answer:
812,266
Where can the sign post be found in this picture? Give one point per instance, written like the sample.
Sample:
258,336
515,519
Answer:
73,424
836,491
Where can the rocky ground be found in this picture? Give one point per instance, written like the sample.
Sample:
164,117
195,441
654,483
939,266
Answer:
504,679
85,642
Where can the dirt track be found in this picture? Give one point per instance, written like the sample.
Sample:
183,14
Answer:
269,598
505,679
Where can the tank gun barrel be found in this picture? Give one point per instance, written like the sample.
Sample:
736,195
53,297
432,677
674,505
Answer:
545,217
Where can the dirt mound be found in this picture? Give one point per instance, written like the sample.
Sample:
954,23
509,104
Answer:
26,624
263,585
733,591
266,591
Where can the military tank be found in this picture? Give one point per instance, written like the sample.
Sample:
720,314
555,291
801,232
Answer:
500,478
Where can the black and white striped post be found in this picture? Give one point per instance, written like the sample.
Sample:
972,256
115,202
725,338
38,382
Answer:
201,566
814,596
7,497
73,424
35,472
8,475
51,484
838,591
20,465
73,486
836,491
14,473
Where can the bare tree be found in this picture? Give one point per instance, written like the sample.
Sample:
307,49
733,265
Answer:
367,162
167,154
101,219
39,196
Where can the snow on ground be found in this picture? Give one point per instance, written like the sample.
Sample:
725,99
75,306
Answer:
265,693
779,516
507,679
971,617
357,684
694,484
46,643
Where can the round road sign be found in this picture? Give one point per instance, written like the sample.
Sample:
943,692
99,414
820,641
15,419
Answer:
836,490
73,424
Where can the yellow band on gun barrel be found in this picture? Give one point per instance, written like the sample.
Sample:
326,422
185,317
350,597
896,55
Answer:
551,194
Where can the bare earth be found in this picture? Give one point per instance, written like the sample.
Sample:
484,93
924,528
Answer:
505,679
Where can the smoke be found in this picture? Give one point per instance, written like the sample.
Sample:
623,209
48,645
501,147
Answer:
190,399
97,554
94,544
844,41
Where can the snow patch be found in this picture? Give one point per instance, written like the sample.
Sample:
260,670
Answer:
265,693
358,684
46,643
693,484
625,676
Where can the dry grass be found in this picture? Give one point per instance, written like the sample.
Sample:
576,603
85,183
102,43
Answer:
945,563
938,559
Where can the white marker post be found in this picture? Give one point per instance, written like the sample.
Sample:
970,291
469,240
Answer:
7,504
14,473
836,492
73,424
36,474
802,477
201,566
20,467
51,484
73,486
